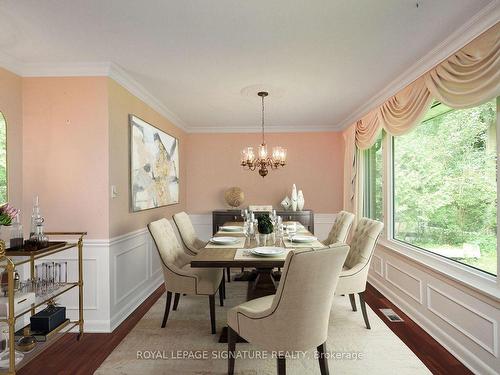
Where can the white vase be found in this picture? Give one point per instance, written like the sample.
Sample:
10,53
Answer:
286,203
300,200
294,198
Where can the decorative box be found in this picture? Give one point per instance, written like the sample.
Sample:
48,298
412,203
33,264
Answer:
48,319
22,302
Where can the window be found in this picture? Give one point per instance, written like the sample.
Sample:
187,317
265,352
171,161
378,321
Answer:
444,185
3,159
372,159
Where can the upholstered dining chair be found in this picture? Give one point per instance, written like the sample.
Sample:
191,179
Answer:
355,271
178,274
340,228
188,234
296,317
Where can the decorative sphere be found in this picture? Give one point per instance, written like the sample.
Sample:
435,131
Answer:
234,196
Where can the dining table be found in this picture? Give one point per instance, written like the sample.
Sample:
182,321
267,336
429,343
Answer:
239,255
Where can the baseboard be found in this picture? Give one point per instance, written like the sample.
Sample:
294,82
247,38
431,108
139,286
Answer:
471,361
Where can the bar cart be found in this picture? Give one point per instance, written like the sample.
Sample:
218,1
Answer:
9,261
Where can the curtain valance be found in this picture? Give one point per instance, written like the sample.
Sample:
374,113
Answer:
468,78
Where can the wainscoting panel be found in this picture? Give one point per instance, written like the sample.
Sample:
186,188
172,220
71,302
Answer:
134,273
466,325
95,284
404,281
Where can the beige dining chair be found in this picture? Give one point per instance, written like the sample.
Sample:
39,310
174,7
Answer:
189,237
296,317
178,274
355,271
188,233
340,228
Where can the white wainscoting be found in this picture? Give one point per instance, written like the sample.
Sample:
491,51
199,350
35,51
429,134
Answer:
465,323
120,273
203,225
135,273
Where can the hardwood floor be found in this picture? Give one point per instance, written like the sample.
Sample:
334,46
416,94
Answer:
67,356
437,359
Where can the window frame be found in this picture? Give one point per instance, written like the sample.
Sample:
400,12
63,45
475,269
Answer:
481,281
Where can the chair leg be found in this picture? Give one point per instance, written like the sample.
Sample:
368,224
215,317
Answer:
223,286
221,292
363,309
323,361
176,301
281,366
353,302
211,300
228,270
231,349
167,309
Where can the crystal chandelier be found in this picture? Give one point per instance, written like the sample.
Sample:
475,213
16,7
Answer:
262,161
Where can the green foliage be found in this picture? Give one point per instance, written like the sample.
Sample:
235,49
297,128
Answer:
264,224
445,181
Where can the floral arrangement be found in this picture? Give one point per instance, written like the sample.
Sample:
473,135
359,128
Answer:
7,214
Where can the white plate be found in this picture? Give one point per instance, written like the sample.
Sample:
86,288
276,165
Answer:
303,239
268,251
224,240
231,228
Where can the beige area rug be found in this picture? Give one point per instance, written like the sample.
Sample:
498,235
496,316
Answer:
170,350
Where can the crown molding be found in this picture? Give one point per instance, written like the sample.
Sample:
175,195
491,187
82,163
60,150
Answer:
257,129
478,24
124,79
91,69
81,69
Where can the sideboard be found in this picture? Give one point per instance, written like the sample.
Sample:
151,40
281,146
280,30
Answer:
305,217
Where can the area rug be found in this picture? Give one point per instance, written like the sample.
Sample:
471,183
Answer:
186,346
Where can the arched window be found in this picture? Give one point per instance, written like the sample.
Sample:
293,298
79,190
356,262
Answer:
3,159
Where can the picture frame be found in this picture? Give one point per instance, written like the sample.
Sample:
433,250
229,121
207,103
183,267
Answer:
154,166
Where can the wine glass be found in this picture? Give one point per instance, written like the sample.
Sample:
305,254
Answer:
291,230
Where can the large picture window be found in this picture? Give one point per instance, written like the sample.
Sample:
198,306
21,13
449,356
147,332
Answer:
444,185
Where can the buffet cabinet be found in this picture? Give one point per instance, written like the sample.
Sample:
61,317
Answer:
305,217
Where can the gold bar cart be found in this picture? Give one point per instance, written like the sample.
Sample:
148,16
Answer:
9,260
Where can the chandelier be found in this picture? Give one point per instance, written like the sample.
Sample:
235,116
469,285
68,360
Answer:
251,161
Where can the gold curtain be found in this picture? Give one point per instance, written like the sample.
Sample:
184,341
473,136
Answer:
471,76
468,78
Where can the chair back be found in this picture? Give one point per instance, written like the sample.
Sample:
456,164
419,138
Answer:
302,304
170,250
340,228
187,232
363,241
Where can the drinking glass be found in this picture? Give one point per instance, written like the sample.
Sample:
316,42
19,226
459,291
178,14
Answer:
291,230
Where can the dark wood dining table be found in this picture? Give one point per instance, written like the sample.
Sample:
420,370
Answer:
264,283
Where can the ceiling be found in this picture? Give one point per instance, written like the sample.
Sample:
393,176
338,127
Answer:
323,59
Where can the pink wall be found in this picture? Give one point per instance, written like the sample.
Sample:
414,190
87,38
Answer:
65,151
315,165
11,107
121,104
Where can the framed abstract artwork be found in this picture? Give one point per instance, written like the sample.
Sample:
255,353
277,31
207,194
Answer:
154,166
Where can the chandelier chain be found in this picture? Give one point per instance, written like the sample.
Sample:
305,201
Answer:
263,142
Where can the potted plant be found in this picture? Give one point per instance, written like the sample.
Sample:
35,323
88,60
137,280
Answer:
8,215
266,230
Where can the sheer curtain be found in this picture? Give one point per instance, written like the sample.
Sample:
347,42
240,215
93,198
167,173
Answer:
468,78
